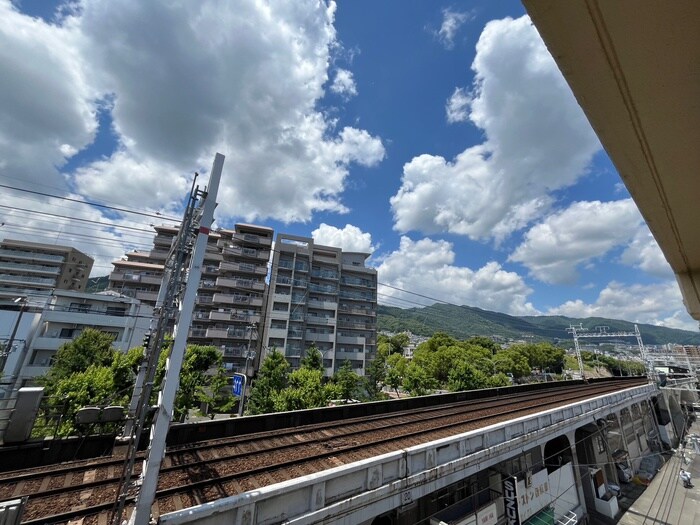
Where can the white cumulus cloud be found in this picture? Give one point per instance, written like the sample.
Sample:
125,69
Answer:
553,249
47,107
644,253
184,80
658,304
537,140
427,267
451,22
344,83
349,238
457,107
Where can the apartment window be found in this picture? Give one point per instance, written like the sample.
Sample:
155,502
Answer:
69,333
117,311
79,307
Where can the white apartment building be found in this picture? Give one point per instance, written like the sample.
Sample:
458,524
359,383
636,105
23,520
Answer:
230,300
69,313
319,295
32,270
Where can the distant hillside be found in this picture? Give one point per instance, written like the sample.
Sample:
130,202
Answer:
466,321
97,284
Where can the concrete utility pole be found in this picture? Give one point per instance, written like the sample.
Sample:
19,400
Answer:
166,399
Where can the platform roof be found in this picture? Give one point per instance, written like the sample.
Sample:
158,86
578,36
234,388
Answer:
634,67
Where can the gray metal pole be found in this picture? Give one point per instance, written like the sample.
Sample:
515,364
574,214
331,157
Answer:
166,399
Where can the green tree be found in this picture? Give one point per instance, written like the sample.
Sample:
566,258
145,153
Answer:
305,389
512,361
375,375
485,342
347,381
313,360
272,378
395,370
416,381
465,376
91,347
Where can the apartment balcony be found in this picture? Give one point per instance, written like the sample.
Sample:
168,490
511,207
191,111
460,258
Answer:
327,260
30,256
348,340
146,296
257,269
287,265
352,356
220,298
210,270
281,297
229,333
29,280
96,318
325,289
48,343
320,338
356,281
292,352
280,333
158,254
246,284
320,320
356,326
298,299
32,371
252,238
240,251
130,277
295,334
234,350
325,274
301,267
214,257
296,316
30,268
357,311
197,332
322,305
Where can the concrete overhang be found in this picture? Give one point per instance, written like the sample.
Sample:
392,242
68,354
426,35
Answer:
634,67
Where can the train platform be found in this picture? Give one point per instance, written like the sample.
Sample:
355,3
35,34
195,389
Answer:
665,501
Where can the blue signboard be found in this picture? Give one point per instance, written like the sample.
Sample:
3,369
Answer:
237,385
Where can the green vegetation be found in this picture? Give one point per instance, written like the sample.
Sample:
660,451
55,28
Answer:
89,372
464,322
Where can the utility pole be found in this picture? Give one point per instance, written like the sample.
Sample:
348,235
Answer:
166,398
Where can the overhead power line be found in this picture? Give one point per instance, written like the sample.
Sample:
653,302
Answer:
156,215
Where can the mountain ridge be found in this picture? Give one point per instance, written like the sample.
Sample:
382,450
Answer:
463,322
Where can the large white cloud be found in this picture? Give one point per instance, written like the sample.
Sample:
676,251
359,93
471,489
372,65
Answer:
349,238
644,253
553,249
427,267
47,108
190,78
185,79
659,304
537,140
344,83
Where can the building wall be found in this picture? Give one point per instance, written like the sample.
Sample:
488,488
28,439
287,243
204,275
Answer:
321,296
230,300
32,270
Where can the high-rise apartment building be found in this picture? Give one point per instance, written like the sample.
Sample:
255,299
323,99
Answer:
321,296
230,299
33,270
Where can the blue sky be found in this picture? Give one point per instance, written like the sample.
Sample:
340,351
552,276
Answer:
439,136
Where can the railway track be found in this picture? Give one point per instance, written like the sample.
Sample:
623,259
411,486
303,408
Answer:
200,472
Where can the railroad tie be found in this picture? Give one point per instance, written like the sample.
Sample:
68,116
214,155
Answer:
89,476
44,484
68,480
177,501
77,521
19,489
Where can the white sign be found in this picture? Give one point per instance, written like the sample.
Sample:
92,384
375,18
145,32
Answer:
534,498
487,516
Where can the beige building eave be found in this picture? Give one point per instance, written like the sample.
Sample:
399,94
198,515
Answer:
634,67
